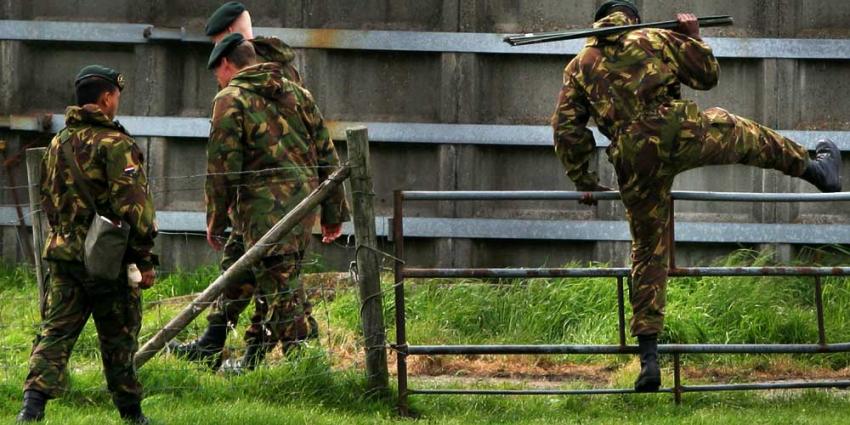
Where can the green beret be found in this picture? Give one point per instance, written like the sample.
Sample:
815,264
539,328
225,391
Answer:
101,72
608,5
223,48
223,17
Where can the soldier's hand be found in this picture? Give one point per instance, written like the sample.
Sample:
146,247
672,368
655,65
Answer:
330,232
148,278
588,199
688,24
213,241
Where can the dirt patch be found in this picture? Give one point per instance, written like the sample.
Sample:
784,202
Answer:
324,286
538,369
545,372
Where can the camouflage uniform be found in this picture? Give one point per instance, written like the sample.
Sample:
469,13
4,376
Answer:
630,85
236,297
268,150
114,166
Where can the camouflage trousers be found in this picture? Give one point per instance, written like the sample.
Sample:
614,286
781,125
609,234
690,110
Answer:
237,296
116,308
648,155
280,292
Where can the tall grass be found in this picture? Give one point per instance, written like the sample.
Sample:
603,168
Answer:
307,388
584,310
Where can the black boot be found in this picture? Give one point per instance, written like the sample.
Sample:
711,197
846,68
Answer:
33,409
207,348
314,327
649,379
133,415
825,170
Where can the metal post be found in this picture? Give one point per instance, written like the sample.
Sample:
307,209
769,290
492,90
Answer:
671,236
819,306
39,224
368,270
400,325
621,312
677,379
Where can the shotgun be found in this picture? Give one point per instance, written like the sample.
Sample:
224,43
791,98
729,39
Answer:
546,37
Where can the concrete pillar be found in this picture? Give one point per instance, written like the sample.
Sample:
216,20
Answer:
782,111
458,92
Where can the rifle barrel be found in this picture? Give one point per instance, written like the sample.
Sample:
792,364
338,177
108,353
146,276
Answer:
546,37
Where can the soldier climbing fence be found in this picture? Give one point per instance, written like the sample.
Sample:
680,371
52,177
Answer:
404,349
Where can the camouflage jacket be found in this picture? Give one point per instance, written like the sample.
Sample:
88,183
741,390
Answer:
114,166
616,80
268,149
272,49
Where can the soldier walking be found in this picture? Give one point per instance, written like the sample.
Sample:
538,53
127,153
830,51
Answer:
268,149
112,165
233,17
630,84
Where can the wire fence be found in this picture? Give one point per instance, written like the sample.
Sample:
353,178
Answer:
338,348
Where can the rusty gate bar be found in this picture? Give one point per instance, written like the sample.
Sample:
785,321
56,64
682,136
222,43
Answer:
766,386
400,346
512,273
596,391
403,350
819,310
677,379
621,312
842,384
558,195
473,350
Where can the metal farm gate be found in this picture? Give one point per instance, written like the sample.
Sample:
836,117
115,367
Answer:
404,349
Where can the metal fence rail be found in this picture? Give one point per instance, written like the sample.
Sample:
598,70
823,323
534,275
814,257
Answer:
404,349
552,230
404,41
383,132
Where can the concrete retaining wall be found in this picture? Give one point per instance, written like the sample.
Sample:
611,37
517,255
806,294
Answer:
171,79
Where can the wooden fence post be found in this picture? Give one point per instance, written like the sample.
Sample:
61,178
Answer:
251,257
39,224
368,265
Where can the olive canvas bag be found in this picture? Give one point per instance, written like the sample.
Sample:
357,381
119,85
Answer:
106,242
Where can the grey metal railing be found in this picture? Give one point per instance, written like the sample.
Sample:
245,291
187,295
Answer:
402,272
407,41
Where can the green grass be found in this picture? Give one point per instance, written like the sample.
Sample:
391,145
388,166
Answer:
316,387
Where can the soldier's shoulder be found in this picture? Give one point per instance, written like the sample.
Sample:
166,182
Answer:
586,58
300,92
273,49
230,95
653,35
111,137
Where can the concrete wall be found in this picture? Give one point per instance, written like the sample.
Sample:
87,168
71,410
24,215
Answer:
171,80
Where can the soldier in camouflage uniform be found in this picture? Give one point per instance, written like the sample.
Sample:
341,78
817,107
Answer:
233,17
268,149
629,83
114,168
